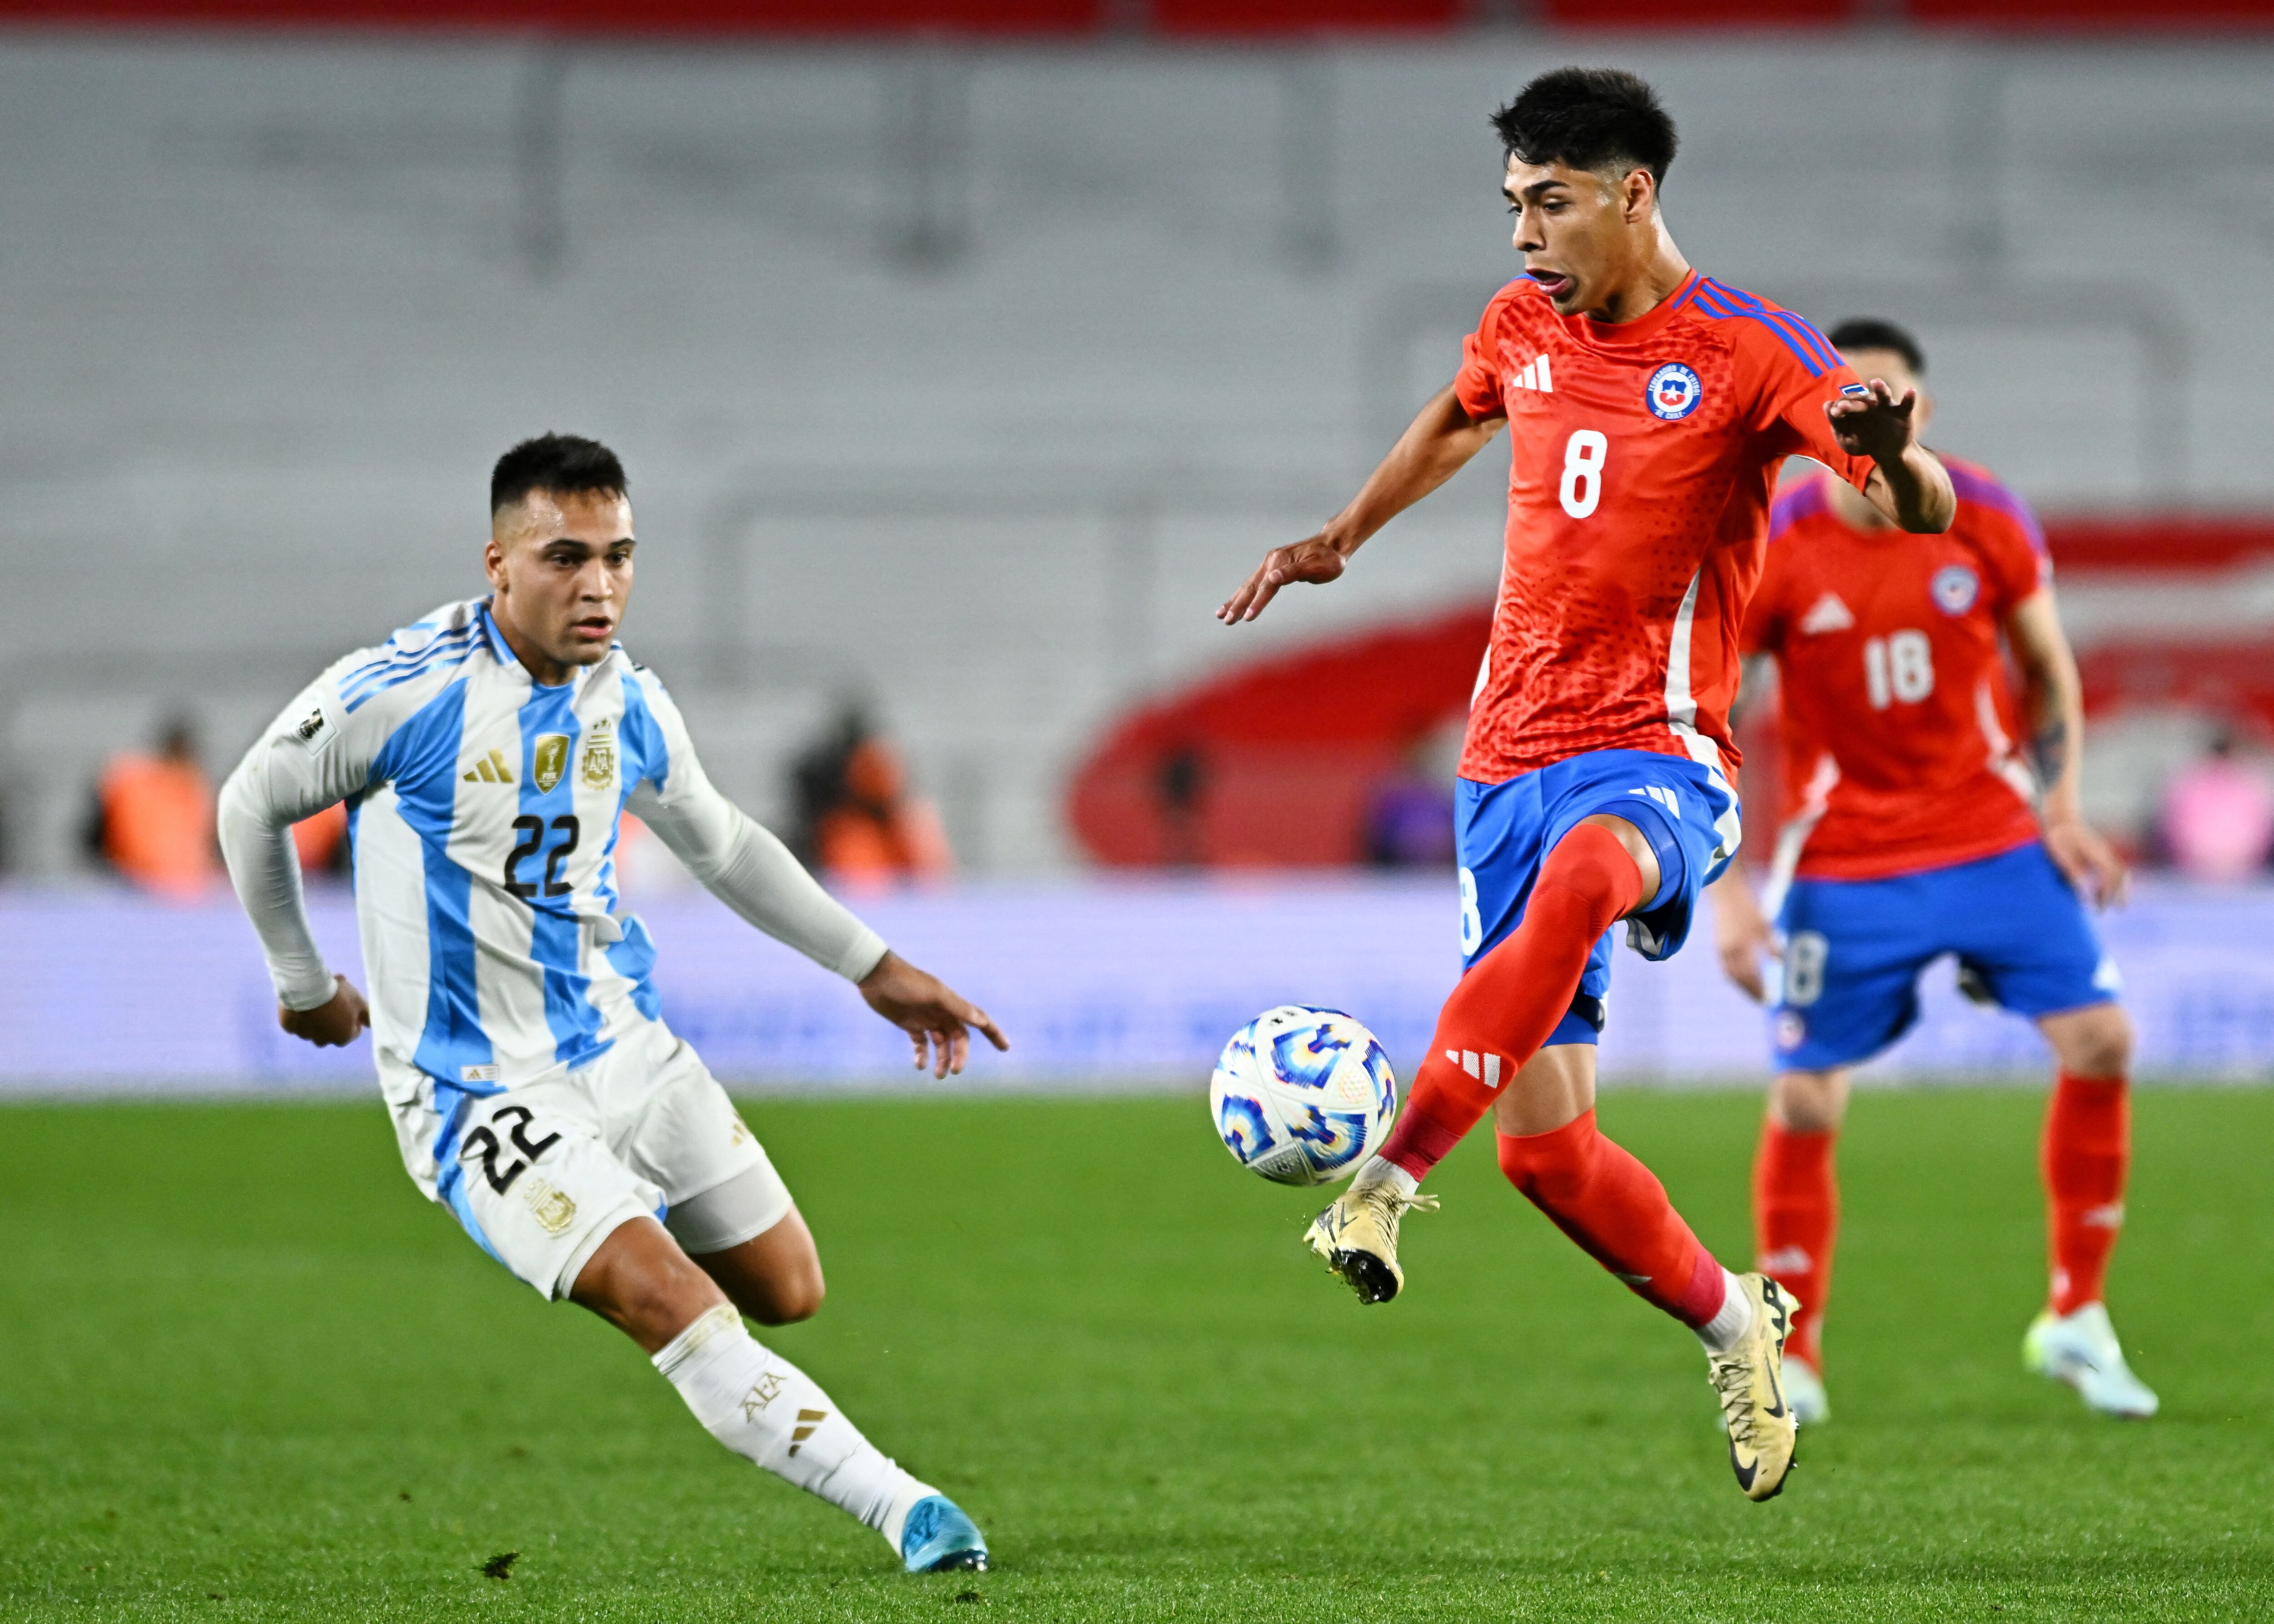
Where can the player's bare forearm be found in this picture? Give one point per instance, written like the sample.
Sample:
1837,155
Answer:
1742,934
1908,483
1435,446
2053,703
1915,493
2052,700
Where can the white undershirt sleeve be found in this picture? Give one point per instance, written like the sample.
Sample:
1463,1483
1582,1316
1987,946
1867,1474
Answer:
746,867
299,766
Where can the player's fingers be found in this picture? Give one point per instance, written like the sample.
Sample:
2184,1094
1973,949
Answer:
971,1015
958,1052
924,1054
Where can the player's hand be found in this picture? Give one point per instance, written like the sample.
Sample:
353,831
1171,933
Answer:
1312,560
1876,423
1743,936
937,1020
2090,863
332,1024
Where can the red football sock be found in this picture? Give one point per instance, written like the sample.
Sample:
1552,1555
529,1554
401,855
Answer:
1508,1003
2087,1146
1795,1218
1615,1208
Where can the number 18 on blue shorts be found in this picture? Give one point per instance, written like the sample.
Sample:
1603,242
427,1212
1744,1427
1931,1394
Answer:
1502,832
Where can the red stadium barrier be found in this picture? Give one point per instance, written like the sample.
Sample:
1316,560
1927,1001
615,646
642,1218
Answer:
648,17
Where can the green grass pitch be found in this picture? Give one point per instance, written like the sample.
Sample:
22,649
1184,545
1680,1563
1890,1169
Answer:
246,1372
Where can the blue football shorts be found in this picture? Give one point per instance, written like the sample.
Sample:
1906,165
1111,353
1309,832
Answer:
1502,832
1854,949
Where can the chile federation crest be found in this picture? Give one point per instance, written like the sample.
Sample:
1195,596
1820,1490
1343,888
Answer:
1673,392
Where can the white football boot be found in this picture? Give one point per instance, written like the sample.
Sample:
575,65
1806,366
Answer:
1803,1390
2081,1348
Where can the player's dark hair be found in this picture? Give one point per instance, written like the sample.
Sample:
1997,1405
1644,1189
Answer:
1875,332
565,464
1590,118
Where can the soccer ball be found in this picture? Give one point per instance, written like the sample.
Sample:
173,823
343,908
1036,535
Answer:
1302,1095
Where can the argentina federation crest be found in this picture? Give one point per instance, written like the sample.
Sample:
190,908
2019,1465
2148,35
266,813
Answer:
1673,392
599,768
550,757
1955,589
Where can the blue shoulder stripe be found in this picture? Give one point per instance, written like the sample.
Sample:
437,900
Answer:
359,690
1716,300
1813,349
397,656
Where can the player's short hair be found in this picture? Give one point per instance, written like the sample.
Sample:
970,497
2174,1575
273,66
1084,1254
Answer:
1877,333
565,464
1590,118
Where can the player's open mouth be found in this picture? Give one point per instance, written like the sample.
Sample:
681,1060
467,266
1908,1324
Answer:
594,628
1553,283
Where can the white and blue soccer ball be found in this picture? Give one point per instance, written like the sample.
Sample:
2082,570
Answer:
1302,1095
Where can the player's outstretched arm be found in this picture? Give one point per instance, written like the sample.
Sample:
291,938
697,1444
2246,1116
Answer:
1434,446
752,872
1910,485
1742,933
938,1020
2054,703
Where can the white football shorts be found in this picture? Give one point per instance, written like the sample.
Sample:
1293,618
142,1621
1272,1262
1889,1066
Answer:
540,1175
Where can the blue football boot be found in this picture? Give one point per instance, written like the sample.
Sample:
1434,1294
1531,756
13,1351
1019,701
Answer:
938,1537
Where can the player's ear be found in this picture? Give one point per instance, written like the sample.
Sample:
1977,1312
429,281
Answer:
494,562
1638,193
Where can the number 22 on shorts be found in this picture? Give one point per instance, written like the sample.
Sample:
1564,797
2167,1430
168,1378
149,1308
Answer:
1582,472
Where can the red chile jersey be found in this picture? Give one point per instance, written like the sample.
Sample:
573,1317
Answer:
1896,717
1642,458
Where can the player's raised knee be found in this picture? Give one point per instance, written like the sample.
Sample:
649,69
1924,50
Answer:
2096,1041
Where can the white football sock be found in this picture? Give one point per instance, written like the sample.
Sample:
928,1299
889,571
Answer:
1376,1172
766,1410
1727,1328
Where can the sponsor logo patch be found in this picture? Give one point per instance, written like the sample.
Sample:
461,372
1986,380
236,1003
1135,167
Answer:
1791,1030
1673,392
1854,388
314,729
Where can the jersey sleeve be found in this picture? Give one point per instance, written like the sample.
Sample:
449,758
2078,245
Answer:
737,860
1800,374
2004,531
1477,385
314,755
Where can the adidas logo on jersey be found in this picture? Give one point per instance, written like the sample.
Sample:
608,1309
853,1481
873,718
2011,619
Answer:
1486,1067
1535,376
490,770
1829,614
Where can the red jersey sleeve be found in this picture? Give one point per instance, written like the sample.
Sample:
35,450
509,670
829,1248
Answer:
2004,532
1800,374
1477,385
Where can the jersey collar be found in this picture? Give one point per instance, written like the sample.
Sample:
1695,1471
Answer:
1644,328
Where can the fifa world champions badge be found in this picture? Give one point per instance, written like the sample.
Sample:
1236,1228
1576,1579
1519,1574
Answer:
1673,392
